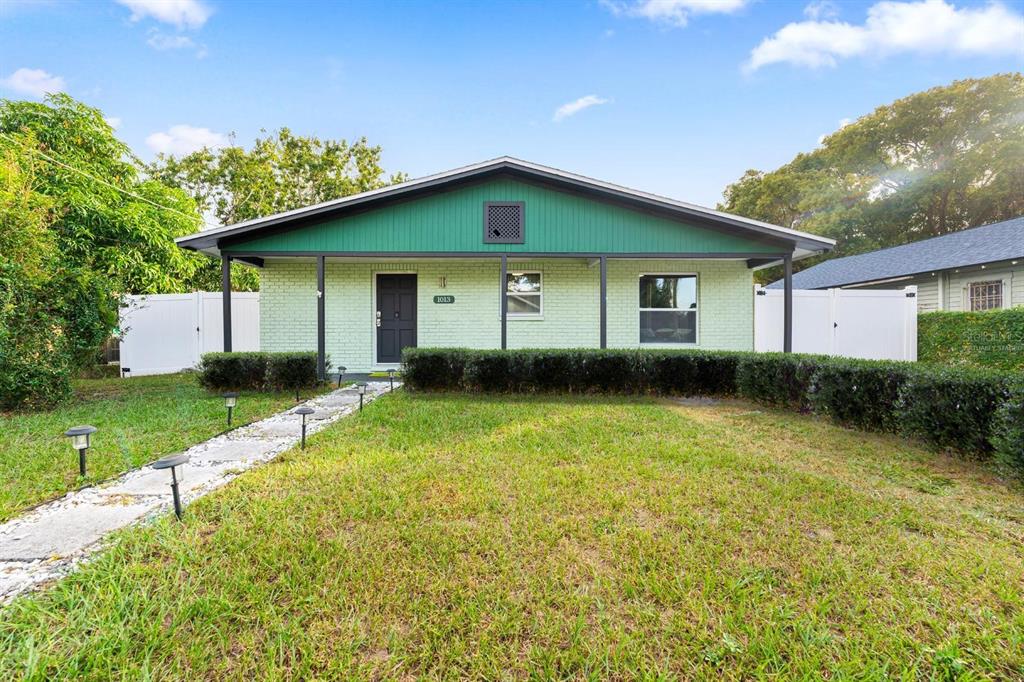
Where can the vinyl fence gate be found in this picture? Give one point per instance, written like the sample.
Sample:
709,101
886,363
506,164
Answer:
875,324
165,333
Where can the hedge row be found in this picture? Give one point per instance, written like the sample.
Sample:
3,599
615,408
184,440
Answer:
977,412
993,338
257,371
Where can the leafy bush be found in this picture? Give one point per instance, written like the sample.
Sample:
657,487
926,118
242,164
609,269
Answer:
233,371
860,393
782,379
952,408
992,339
427,369
1008,428
291,371
694,372
612,371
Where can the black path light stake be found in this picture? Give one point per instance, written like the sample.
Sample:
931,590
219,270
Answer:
79,436
176,463
304,410
341,372
361,386
230,400
391,378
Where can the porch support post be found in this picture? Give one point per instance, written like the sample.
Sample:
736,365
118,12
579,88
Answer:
604,301
504,301
225,295
787,305
321,345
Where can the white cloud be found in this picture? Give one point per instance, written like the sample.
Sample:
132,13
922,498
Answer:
184,139
34,82
671,12
821,9
180,13
927,26
161,41
113,121
572,108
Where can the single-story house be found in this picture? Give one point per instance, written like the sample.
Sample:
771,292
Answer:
502,254
976,269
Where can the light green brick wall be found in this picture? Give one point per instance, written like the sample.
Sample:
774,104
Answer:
570,316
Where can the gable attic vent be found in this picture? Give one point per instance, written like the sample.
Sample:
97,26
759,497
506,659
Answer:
504,222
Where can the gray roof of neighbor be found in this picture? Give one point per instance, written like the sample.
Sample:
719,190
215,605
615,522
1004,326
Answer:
985,244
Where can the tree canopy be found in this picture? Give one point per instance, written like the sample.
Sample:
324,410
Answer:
935,162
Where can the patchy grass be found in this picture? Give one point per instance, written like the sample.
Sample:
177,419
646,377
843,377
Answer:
512,538
139,420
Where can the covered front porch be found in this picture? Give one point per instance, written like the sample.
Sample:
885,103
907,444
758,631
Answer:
359,311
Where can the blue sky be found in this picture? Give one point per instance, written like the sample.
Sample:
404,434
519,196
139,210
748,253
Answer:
677,97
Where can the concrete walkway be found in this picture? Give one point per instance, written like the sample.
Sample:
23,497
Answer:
50,540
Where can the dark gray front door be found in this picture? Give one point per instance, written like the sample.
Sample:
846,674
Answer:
396,316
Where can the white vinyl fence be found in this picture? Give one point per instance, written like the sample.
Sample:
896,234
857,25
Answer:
164,333
874,324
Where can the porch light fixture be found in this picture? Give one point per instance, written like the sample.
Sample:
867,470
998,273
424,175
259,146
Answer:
341,371
391,378
361,387
230,400
79,436
304,410
176,463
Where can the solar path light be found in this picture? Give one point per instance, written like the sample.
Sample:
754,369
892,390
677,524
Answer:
391,378
341,372
304,410
79,436
176,463
230,400
361,387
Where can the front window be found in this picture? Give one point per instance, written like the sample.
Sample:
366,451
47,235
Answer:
668,309
986,295
525,294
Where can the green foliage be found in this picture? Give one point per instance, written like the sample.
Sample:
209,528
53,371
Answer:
233,371
291,371
280,172
1008,428
935,162
973,412
992,338
258,371
953,408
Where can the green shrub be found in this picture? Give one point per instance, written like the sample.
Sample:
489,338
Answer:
992,339
291,371
489,371
429,370
1008,428
952,408
612,371
708,373
233,371
782,379
860,393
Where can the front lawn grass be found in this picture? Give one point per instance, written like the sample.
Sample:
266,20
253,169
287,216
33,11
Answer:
508,538
139,420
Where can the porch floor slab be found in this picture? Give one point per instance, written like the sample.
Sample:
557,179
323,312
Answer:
50,540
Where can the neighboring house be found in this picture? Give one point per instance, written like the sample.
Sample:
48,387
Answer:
504,253
976,269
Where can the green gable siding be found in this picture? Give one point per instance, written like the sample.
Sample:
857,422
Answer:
556,222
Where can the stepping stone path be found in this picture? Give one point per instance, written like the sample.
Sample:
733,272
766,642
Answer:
49,541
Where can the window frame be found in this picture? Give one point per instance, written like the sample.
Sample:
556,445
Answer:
696,311
539,315
988,281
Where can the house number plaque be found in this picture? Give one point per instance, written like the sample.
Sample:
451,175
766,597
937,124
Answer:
444,299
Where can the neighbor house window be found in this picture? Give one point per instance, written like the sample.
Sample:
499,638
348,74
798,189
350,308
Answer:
986,295
668,309
525,294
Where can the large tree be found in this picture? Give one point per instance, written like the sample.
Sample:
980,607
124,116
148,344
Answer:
935,162
279,172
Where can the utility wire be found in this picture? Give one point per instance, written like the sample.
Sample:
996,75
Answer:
104,182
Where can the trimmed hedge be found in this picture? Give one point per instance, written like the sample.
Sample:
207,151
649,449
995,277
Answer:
992,339
980,413
257,371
